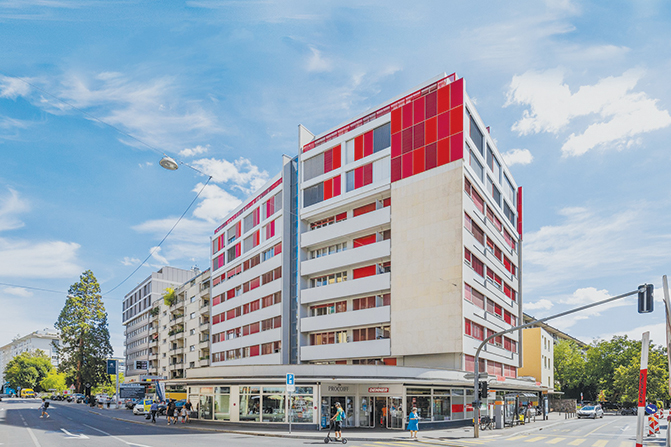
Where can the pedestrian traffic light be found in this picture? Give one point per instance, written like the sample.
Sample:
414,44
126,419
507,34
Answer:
483,390
646,300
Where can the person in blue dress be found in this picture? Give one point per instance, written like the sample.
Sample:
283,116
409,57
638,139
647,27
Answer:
413,423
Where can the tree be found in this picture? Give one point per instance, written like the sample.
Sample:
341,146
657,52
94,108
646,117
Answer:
85,339
109,386
625,378
28,369
53,381
569,361
169,297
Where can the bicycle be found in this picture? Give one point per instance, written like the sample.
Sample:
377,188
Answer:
486,422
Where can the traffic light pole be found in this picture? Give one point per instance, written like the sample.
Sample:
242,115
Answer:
476,404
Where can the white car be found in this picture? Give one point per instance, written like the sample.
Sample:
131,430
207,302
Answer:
590,411
138,408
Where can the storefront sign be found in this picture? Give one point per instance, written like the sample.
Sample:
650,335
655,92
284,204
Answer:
338,389
500,379
376,389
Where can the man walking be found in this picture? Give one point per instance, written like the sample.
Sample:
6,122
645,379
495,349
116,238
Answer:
44,407
188,407
171,412
154,410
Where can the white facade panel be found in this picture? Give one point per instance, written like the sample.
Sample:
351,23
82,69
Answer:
248,340
362,286
353,257
364,317
348,228
268,359
360,349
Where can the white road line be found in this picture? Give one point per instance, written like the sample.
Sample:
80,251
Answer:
112,436
80,436
32,435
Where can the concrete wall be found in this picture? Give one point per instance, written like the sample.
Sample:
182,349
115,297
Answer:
427,263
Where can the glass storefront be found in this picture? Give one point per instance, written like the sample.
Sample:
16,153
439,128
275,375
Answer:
441,405
302,403
222,403
250,404
273,402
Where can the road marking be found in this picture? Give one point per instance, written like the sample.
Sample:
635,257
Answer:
516,438
577,441
601,426
537,438
625,444
555,440
79,436
600,443
114,437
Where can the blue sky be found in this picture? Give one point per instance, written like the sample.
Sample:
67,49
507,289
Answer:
576,94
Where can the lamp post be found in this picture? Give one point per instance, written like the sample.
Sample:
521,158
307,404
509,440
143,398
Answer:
476,404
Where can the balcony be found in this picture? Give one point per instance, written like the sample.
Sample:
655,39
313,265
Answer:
152,357
179,304
178,319
356,226
353,257
364,317
176,366
363,286
203,343
359,349
204,362
177,351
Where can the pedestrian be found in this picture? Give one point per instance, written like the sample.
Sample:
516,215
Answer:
44,407
154,410
171,412
413,423
337,419
182,412
188,407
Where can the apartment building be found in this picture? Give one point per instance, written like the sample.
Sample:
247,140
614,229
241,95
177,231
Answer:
42,340
371,267
136,318
538,356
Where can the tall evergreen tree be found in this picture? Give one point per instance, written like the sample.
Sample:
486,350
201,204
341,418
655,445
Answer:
85,339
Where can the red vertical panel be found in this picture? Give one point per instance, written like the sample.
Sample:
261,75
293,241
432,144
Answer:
418,136
406,165
443,152
328,160
328,189
358,147
337,157
358,177
406,145
368,143
431,130
336,186
456,120
519,210
407,116
395,169
418,160
396,144
238,229
457,147
443,124
362,272
368,174
431,104
457,93
430,156
418,112
443,99
396,120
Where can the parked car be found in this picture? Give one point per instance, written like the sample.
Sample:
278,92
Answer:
142,407
590,411
130,403
630,411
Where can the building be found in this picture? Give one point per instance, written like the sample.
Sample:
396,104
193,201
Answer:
555,333
538,356
136,318
42,340
372,267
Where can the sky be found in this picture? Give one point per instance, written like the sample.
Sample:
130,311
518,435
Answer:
93,93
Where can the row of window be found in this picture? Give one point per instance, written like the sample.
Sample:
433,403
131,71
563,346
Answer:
252,284
363,334
249,263
340,217
479,267
361,272
249,351
357,304
480,205
320,164
248,329
477,298
252,306
493,368
477,331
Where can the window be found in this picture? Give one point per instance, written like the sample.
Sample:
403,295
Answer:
510,214
494,220
331,249
313,195
233,252
252,241
192,316
270,229
364,240
192,348
328,279
476,166
313,167
252,219
508,190
474,330
476,135
473,194
364,209
509,240
234,232
359,177
474,296
371,142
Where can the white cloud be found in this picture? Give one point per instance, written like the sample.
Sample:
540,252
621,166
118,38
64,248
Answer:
127,261
657,334
618,115
18,291
156,254
146,164
194,151
582,297
540,304
518,157
10,206
189,230
12,88
317,63
215,204
242,174
31,259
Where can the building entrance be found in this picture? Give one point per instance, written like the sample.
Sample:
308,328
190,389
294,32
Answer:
328,409
381,412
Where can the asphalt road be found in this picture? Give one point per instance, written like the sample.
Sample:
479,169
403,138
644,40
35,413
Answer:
73,425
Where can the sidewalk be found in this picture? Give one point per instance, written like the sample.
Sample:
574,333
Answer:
352,434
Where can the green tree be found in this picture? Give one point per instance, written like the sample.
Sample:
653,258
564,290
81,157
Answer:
625,378
569,364
603,357
53,381
85,339
169,296
109,386
28,369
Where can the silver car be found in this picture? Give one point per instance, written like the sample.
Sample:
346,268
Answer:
590,411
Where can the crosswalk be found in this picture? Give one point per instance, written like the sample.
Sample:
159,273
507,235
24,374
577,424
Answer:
521,440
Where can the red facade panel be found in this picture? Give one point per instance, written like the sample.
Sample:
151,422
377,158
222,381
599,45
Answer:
365,240
396,144
431,104
328,189
418,110
328,160
363,272
395,169
430,156
336,186
368,143
396,120
430,130
457,93
443,152
418,135
407,116
358,177
406,165
443,124
443,99
337,157
358,147
367,174
407,141
456,120
457,147
418,160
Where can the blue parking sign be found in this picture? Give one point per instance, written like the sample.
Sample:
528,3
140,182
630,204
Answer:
290,379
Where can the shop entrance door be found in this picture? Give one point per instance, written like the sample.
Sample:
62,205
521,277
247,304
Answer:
381,412
328,409
367,413
395,413
205,408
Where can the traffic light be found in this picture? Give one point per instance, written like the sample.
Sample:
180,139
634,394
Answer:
483,390
646,300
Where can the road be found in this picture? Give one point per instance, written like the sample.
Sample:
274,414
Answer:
73,425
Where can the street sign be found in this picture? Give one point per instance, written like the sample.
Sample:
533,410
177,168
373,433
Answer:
140,364
291,383
651,409
111,367
72,387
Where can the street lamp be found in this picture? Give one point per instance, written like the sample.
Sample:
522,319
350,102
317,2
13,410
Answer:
168,163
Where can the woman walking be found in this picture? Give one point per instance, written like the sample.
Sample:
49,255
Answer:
413,423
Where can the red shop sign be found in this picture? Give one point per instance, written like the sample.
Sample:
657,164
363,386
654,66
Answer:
378,390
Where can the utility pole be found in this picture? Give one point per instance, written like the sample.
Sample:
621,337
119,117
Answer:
476,404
